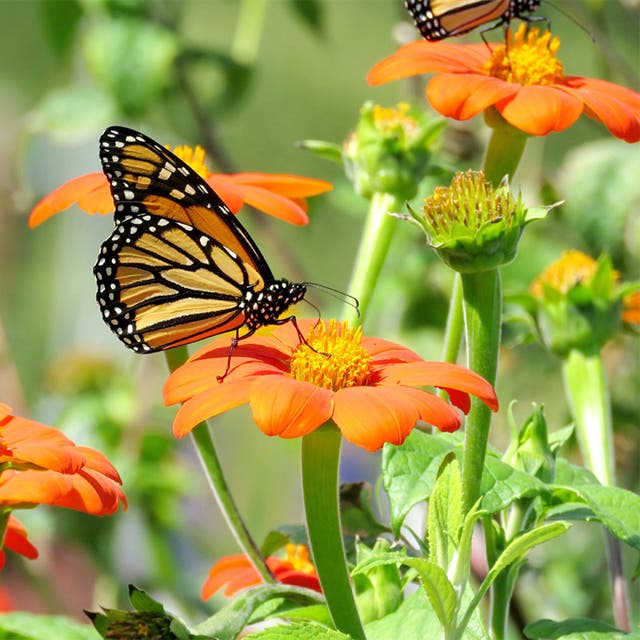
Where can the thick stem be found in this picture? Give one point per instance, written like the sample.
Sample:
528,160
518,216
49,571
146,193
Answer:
586,390
482,306
455,323
320,458
208,457
374,246
504,150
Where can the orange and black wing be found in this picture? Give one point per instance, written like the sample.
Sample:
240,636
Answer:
146,178
163,283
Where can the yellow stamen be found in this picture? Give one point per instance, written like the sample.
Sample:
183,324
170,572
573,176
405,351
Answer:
195,158
298,556
470,200
572,269
528,58
347,364
388,120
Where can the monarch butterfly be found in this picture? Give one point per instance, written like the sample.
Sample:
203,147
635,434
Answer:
439,19
178,266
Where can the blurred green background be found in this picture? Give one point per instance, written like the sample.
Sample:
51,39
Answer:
261,75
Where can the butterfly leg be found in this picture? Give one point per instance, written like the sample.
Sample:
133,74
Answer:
232,346
294,322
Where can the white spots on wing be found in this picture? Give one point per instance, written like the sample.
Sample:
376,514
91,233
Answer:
129,195
189,189
177,194
164,174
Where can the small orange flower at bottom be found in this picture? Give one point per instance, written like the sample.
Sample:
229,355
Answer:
366,386
237,572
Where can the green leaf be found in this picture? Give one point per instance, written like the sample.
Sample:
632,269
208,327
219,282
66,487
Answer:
30,626
414,619
273,541
141,601
60,20
576,628
298,631
409,471
133,59
227,623
444,520
572,475
617,509
311,13
502,485
326,150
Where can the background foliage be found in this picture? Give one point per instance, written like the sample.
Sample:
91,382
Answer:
250,79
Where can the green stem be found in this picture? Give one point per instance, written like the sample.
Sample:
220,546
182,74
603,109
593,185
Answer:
246,39
320,458
455,323
213,469
504,150
4,521
586,390
374,246
482,306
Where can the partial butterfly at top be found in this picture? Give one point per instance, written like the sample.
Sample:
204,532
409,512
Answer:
439,19
178,266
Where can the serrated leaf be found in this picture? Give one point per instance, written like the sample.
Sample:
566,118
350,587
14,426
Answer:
30,626
409,471
227,623
575,628
298,631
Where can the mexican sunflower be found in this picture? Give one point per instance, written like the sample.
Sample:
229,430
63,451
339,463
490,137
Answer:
237,572
280,195
523,80
15,538
40,465
366,386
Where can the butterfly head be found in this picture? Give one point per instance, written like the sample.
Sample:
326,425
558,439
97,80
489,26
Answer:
267,305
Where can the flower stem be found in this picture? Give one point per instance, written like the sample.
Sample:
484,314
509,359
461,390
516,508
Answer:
320,458
213,469
482,306
585,386
455,323
374,246
504,150
246,39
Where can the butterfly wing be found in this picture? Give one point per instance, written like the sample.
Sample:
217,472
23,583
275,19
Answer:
146,178
163,283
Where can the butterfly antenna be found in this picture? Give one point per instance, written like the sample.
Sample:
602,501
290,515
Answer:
567,15
352,301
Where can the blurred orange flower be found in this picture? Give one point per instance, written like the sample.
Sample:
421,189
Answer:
39,465
366,386
631,308
523,80
15,538
280,195
237,572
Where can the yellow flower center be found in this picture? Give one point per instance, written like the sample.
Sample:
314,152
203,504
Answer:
388,120
572,269
298,556
470,200
339,360
527,58
193,157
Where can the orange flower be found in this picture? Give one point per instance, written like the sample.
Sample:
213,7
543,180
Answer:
15,538
238,573
365,386
280,195
631,308
39,465
524,81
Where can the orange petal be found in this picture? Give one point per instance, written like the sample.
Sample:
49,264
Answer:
218,398
464,95
289,408
421,57
231,194
371,416
90,192
16,539
540,110
99,462
275,205
616,107
443,375
287,185
384,352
